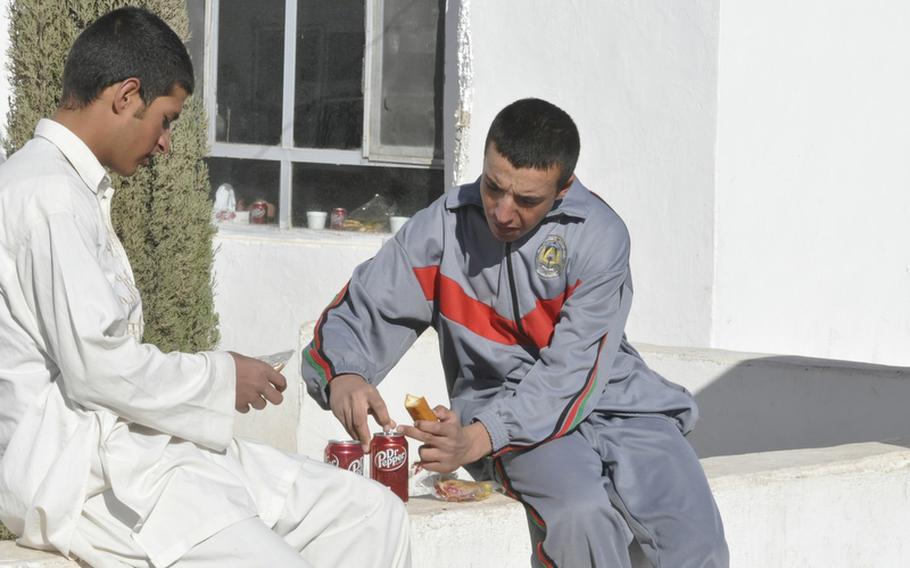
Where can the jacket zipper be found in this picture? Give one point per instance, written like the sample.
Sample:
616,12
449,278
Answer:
512,290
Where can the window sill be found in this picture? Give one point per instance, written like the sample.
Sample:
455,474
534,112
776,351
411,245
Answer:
232,231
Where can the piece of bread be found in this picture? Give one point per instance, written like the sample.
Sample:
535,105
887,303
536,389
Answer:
418,408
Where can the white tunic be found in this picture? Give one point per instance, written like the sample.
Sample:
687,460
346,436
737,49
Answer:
84,405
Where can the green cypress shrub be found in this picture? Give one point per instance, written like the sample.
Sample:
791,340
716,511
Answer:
162,214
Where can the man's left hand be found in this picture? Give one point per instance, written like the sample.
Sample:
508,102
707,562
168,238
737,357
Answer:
447,444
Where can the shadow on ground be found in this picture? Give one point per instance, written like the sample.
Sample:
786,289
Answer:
782,403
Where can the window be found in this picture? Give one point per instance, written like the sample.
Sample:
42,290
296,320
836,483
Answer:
318,104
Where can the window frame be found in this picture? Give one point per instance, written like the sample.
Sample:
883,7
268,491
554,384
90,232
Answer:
286,153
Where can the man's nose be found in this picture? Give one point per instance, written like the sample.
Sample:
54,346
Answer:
164,142
505,209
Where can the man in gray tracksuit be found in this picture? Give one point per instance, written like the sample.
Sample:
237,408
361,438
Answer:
525,276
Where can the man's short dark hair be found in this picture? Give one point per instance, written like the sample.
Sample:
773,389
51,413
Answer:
128,42
532,133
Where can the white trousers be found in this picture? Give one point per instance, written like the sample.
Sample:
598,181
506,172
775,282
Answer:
332,518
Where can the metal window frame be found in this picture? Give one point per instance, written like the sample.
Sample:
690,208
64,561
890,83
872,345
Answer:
286,153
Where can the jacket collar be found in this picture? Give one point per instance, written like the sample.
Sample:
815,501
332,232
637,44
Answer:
573,204
79,155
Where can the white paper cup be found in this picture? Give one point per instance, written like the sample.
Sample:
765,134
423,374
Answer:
316,219
395,223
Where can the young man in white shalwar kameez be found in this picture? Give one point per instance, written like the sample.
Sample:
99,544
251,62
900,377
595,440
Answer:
110,450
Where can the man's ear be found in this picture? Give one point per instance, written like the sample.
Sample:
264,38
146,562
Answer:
565,189
126,97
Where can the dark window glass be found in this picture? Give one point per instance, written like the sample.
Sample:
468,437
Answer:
387,191
250,70
252,180
328,110
196,43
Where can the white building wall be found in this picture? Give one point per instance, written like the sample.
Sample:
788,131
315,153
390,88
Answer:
813,179
638,77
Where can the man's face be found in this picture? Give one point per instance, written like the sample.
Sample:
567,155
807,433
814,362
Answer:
146,131
515,200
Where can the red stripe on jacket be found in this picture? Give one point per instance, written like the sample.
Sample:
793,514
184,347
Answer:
459,307
580,399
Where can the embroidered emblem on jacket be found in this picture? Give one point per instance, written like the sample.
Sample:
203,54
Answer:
551,257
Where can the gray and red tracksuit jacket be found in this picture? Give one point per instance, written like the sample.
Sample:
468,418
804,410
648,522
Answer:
531,332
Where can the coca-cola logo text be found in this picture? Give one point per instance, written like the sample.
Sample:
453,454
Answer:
390,460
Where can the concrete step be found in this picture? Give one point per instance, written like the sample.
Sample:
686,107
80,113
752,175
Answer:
838,507
12,555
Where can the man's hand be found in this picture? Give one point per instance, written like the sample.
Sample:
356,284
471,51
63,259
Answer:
351,399
447,444
257,382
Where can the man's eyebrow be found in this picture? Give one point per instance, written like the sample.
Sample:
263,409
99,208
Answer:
490,181
531,198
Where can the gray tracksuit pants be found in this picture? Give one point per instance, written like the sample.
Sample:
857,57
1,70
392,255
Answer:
590,492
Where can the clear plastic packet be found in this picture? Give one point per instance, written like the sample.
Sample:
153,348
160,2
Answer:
371,216
448,487
460,490
277,360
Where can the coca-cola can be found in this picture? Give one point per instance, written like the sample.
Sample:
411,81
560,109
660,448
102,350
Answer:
258,210
346,454
336,220
389,462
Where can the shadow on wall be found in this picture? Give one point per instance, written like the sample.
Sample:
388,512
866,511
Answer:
780,403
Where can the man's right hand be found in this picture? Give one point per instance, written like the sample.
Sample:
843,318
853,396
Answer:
257,382
351,399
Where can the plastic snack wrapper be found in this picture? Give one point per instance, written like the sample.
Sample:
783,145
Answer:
447,487
459,490
277,360
371,216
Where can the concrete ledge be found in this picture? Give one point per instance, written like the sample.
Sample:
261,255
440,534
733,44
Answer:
12,555
493,532
843,506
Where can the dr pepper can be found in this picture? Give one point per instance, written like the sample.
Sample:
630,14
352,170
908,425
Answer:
336,220
389,462
258,211
346,454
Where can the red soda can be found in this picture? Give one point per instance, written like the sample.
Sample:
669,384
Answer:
346,454
389,462
336,220
258,210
